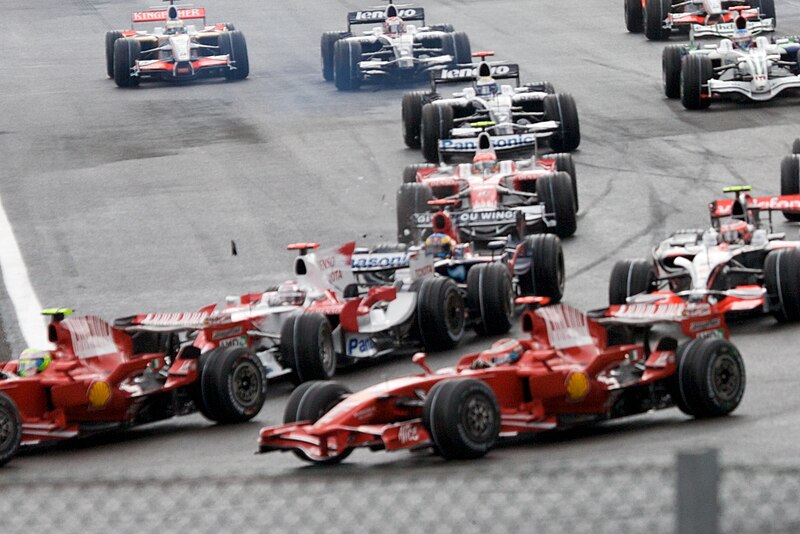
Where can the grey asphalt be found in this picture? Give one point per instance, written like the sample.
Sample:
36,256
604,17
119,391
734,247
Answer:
125,201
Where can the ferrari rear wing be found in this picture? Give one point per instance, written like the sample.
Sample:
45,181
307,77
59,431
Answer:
160,15
165,322
372,16
467,73
695,320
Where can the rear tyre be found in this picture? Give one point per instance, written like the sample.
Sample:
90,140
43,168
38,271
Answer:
539,267
326,45
346,60
490,298
462,417
234,384
790,181
437,124
233,44
634,16
309,402
565,163
463,50
782,282
555,191
767,9
410,171
441,314
630,277
655,11
695,73
307,346
412,117
411,199
796,146
671,71
10,429
709,378
111,38
126,52
561,107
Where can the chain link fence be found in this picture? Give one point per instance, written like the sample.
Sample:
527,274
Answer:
559,498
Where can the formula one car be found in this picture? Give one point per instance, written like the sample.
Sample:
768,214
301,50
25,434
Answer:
737,267
572,370
760,71
324,318
699,18
518,116
175,52
100,378
488,199
395,51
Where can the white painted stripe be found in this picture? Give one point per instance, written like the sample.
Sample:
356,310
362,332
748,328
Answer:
18,286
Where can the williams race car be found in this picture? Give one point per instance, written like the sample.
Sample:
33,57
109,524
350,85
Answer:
758,71
175,52
737,267
395,51
700,18
517,116
487,199
100,378
572,370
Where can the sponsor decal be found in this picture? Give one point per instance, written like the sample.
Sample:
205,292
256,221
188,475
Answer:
577,385
421,272
90,335
472,72
174,319
157,16
408,434
709,324
365,413
379,14
498,142
221,334
99,394
240,341
650,311
360,346
380,261
483,217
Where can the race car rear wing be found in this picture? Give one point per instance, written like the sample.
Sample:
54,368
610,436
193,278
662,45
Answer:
372,16
467,73
418,264
160,15
785,203
694,321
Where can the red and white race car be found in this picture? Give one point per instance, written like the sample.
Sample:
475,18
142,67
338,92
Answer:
175,51
100,378
573,369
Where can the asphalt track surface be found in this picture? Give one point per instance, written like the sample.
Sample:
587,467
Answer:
125,201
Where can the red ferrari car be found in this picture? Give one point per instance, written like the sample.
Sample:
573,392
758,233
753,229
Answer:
573,369
100,378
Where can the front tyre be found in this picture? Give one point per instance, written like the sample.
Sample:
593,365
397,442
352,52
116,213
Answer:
671,71
126,52
441,314
539,267
560,107
233,384
655,12
307,346
782,282
412,117
346,61
490,298
629,278
790,181
696,71
233,44
309,402
634,16
555,192
437,124
412,198
10,429
326,45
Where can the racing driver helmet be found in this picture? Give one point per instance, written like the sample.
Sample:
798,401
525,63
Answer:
484,161
735,232
291,294
742,38
486,86
174,26
394,26
33,361
439,246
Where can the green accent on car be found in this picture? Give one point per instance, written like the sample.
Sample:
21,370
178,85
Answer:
737,189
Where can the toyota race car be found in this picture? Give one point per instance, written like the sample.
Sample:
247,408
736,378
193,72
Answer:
762,70
175,52
518,117
700,18
394,51
573,369
100,378
737,267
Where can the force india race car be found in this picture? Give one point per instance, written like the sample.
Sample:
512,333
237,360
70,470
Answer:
737,267
395,51
570,371
700,18
175,52
698,73
100,378
518,117
488,199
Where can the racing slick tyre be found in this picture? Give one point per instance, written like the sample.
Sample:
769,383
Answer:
695,73
411,199
671,71
539,267
447,28
561,107
462,417
709,377
10,429
782,282
767,9
310,401
441,314
410,171
790,181
233,44
307,347
655,11
346,60
326,45
630,277
462,47
555,191
126,52
565,163
437,123
490,298
412,117
634,16
233,385
111,38
796,146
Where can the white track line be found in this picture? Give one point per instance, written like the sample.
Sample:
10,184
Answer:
18,285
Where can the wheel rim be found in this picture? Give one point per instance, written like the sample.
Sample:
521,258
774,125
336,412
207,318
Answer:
726,377
454,314
478,418
7,428
326,355
246,384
